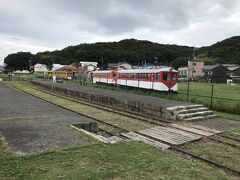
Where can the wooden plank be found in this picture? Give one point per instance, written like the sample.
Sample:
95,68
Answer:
197,131
175,134
207,129
167,134
163,138
138,137
178,139
180,132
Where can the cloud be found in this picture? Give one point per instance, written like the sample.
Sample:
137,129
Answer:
36,25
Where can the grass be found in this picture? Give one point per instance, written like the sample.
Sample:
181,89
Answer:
127,123
233,134
125,160
16,77
235,117
217,152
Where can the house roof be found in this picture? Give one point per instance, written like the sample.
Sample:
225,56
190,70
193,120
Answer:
211,67
71,67
233,68
117,64
229,65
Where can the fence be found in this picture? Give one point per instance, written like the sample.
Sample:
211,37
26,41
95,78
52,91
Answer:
220,97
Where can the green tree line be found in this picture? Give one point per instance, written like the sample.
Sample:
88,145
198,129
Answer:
133,51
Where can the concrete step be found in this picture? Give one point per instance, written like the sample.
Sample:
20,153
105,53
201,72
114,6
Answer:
185,111
211,116
177,108
199,118
195,114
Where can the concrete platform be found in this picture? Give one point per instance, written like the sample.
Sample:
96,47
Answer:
127,101
30,125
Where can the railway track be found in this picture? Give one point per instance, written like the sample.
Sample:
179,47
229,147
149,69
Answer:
231,138
122,130
145,118
140,116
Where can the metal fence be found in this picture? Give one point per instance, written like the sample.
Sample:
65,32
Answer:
221,97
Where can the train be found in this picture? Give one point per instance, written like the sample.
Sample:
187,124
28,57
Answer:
164,79
50,74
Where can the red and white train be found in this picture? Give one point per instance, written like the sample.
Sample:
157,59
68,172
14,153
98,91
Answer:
164,79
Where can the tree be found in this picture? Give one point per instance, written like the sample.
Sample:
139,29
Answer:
18,61
179,62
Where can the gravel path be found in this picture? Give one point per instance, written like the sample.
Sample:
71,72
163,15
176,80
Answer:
29,124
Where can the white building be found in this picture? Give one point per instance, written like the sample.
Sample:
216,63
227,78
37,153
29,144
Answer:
40,67
120,66
57,66
87,63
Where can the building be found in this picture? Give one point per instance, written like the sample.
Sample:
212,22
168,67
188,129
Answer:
215,73
40,68
87,63
120,66
57,66
43,68
192,71
234,71
183,73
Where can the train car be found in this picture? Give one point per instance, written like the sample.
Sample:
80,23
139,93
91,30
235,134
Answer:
164,79
106,77
63,74
42,74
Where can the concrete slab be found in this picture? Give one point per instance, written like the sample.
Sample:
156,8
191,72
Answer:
29,124
219,124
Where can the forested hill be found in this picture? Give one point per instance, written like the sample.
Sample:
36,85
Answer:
226,51
130,50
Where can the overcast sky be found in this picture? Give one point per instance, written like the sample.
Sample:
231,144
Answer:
39,25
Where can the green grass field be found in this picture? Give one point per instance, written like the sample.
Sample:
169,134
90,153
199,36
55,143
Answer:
226,91
126,160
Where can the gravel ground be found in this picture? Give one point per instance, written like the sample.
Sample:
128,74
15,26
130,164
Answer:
29,124
120,95
219,124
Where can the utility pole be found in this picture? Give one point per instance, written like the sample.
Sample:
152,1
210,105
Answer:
102,63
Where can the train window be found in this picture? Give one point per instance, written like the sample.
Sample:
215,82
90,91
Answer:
153,78
157,76
148,77
174,77
114,75
166,76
